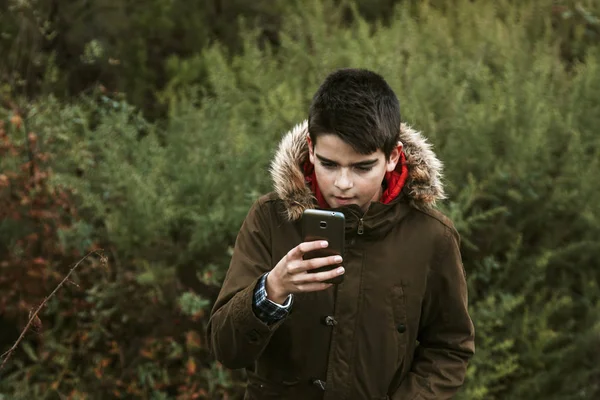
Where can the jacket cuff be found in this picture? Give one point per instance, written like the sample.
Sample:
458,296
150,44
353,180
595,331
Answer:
266,310
249,325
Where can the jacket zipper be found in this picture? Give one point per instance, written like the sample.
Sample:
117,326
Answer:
360,230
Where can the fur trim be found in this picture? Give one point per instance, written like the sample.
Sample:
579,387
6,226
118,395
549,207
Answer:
423,186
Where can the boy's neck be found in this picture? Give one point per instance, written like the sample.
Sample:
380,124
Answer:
378,198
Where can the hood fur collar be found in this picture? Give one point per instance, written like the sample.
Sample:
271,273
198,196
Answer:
423,186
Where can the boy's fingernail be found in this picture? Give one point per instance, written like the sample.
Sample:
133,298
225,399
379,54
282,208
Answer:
340,270
337,259
324,244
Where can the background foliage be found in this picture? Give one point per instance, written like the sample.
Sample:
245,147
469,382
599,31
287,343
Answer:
150,136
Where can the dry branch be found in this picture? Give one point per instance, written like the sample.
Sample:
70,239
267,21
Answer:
33,315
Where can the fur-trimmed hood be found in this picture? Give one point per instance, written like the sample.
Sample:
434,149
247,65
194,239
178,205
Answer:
423,186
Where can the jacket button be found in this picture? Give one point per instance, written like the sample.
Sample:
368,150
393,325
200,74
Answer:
329,321
320,384
253,336
401,328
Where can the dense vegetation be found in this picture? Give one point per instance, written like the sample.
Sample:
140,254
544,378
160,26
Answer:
149,136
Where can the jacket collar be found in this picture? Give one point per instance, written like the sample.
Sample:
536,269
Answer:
421,190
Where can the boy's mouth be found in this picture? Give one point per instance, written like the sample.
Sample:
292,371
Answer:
343,200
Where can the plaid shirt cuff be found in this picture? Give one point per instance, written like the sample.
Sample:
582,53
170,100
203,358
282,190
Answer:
267,311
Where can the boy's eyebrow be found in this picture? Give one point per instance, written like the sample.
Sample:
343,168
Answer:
365,163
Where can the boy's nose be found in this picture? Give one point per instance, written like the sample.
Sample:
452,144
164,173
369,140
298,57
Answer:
343,181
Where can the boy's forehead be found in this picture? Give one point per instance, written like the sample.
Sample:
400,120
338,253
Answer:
332,148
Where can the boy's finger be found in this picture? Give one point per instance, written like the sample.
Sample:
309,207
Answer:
303,248
315,263
321,276
296,267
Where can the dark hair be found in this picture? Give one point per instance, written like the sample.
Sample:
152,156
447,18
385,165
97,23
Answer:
360,108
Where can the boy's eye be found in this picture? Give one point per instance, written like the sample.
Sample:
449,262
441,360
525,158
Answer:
328,165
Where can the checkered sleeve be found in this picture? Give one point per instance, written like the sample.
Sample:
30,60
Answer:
267,311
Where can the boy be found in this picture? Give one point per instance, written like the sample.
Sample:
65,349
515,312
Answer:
398,326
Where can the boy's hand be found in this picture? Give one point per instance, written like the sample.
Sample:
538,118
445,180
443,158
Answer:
290,274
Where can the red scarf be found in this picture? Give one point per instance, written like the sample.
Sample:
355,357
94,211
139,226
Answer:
394,182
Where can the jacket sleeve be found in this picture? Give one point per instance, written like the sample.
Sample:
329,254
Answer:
446,335
266,310
237,336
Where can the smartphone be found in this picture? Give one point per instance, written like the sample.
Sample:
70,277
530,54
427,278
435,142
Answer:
325,225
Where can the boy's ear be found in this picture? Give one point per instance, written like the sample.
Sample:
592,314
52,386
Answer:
311,150
394,157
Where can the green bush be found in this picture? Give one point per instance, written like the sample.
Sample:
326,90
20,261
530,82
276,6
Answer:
63,47
513,121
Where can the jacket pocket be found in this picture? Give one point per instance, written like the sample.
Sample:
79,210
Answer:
259,388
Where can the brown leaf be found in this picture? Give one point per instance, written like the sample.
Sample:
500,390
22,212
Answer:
191,366
146,353
17,121
39,260
104,261
32,137
37,322
193,340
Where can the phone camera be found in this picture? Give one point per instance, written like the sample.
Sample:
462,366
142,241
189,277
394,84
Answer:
323,224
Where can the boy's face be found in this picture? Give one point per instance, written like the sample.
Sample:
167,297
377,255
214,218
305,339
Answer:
347,177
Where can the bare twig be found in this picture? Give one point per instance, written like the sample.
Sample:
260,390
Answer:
33,316
72,283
